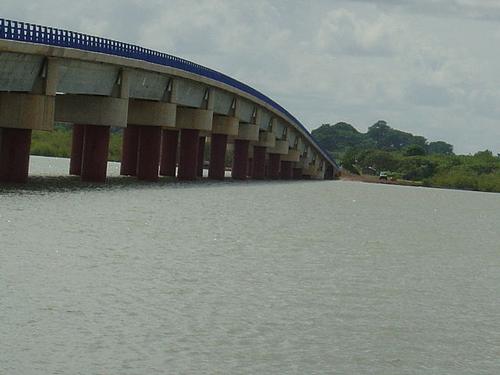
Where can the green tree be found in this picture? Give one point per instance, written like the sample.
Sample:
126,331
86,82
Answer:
414,150
440,147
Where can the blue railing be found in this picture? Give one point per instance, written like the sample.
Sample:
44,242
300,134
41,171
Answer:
27,32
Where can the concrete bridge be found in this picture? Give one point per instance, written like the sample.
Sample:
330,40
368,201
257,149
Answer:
168,108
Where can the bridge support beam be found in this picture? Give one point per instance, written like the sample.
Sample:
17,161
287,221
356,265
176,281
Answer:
148,153
286,170
217,167
95,153
188,156
14,154
130,145
274,166
240,161
201,156
259,163
168,162
75,164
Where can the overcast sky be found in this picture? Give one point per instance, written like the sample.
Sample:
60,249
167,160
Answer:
431,67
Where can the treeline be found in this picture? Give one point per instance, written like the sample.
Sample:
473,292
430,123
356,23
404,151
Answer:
405,156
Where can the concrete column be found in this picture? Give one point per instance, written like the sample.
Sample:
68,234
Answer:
297,173
14,154
274,166
250,166
286,170
148,153
95,153
329,173
259,162
168,162
130,144
201,156
75,164
217,167
188,156
240,161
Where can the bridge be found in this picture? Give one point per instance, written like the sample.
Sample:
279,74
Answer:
168,108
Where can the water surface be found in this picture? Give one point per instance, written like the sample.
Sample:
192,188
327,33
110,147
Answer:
246,278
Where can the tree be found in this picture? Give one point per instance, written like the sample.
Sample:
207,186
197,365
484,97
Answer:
414,150
440,147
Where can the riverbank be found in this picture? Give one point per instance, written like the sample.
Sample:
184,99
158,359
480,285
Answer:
377,180
427,184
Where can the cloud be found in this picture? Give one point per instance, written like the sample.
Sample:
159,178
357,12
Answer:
343,32
427,66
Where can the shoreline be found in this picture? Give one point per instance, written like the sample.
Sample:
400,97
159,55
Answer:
376,180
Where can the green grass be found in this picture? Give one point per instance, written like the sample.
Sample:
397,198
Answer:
57,143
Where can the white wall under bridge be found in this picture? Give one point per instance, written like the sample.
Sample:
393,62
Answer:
41,83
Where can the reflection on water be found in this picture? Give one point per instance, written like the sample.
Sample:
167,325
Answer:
305,277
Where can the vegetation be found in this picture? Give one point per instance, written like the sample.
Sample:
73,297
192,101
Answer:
58,143
408,157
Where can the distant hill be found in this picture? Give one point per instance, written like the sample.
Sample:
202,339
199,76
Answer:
342,137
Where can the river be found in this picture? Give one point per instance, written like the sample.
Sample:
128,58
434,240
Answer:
304,277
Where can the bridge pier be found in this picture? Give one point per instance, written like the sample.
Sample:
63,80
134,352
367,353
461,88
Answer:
246,133
217,167
222,128
286,170
297,173
240,159
168,162
259,163
95,153
14,154
75,164
191,121
20,114
201,156
188,155
329,173
130,146
250,166
148,153
274,166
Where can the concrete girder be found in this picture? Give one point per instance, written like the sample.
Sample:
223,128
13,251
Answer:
292,156
86,78
193,118
149,85
280,147
265,120
279,128
92,110
227,125
224,102
151,113
26,111
19,72
191,94
246,111
266,139
248,132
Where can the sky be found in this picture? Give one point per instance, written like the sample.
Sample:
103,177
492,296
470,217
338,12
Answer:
430,67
